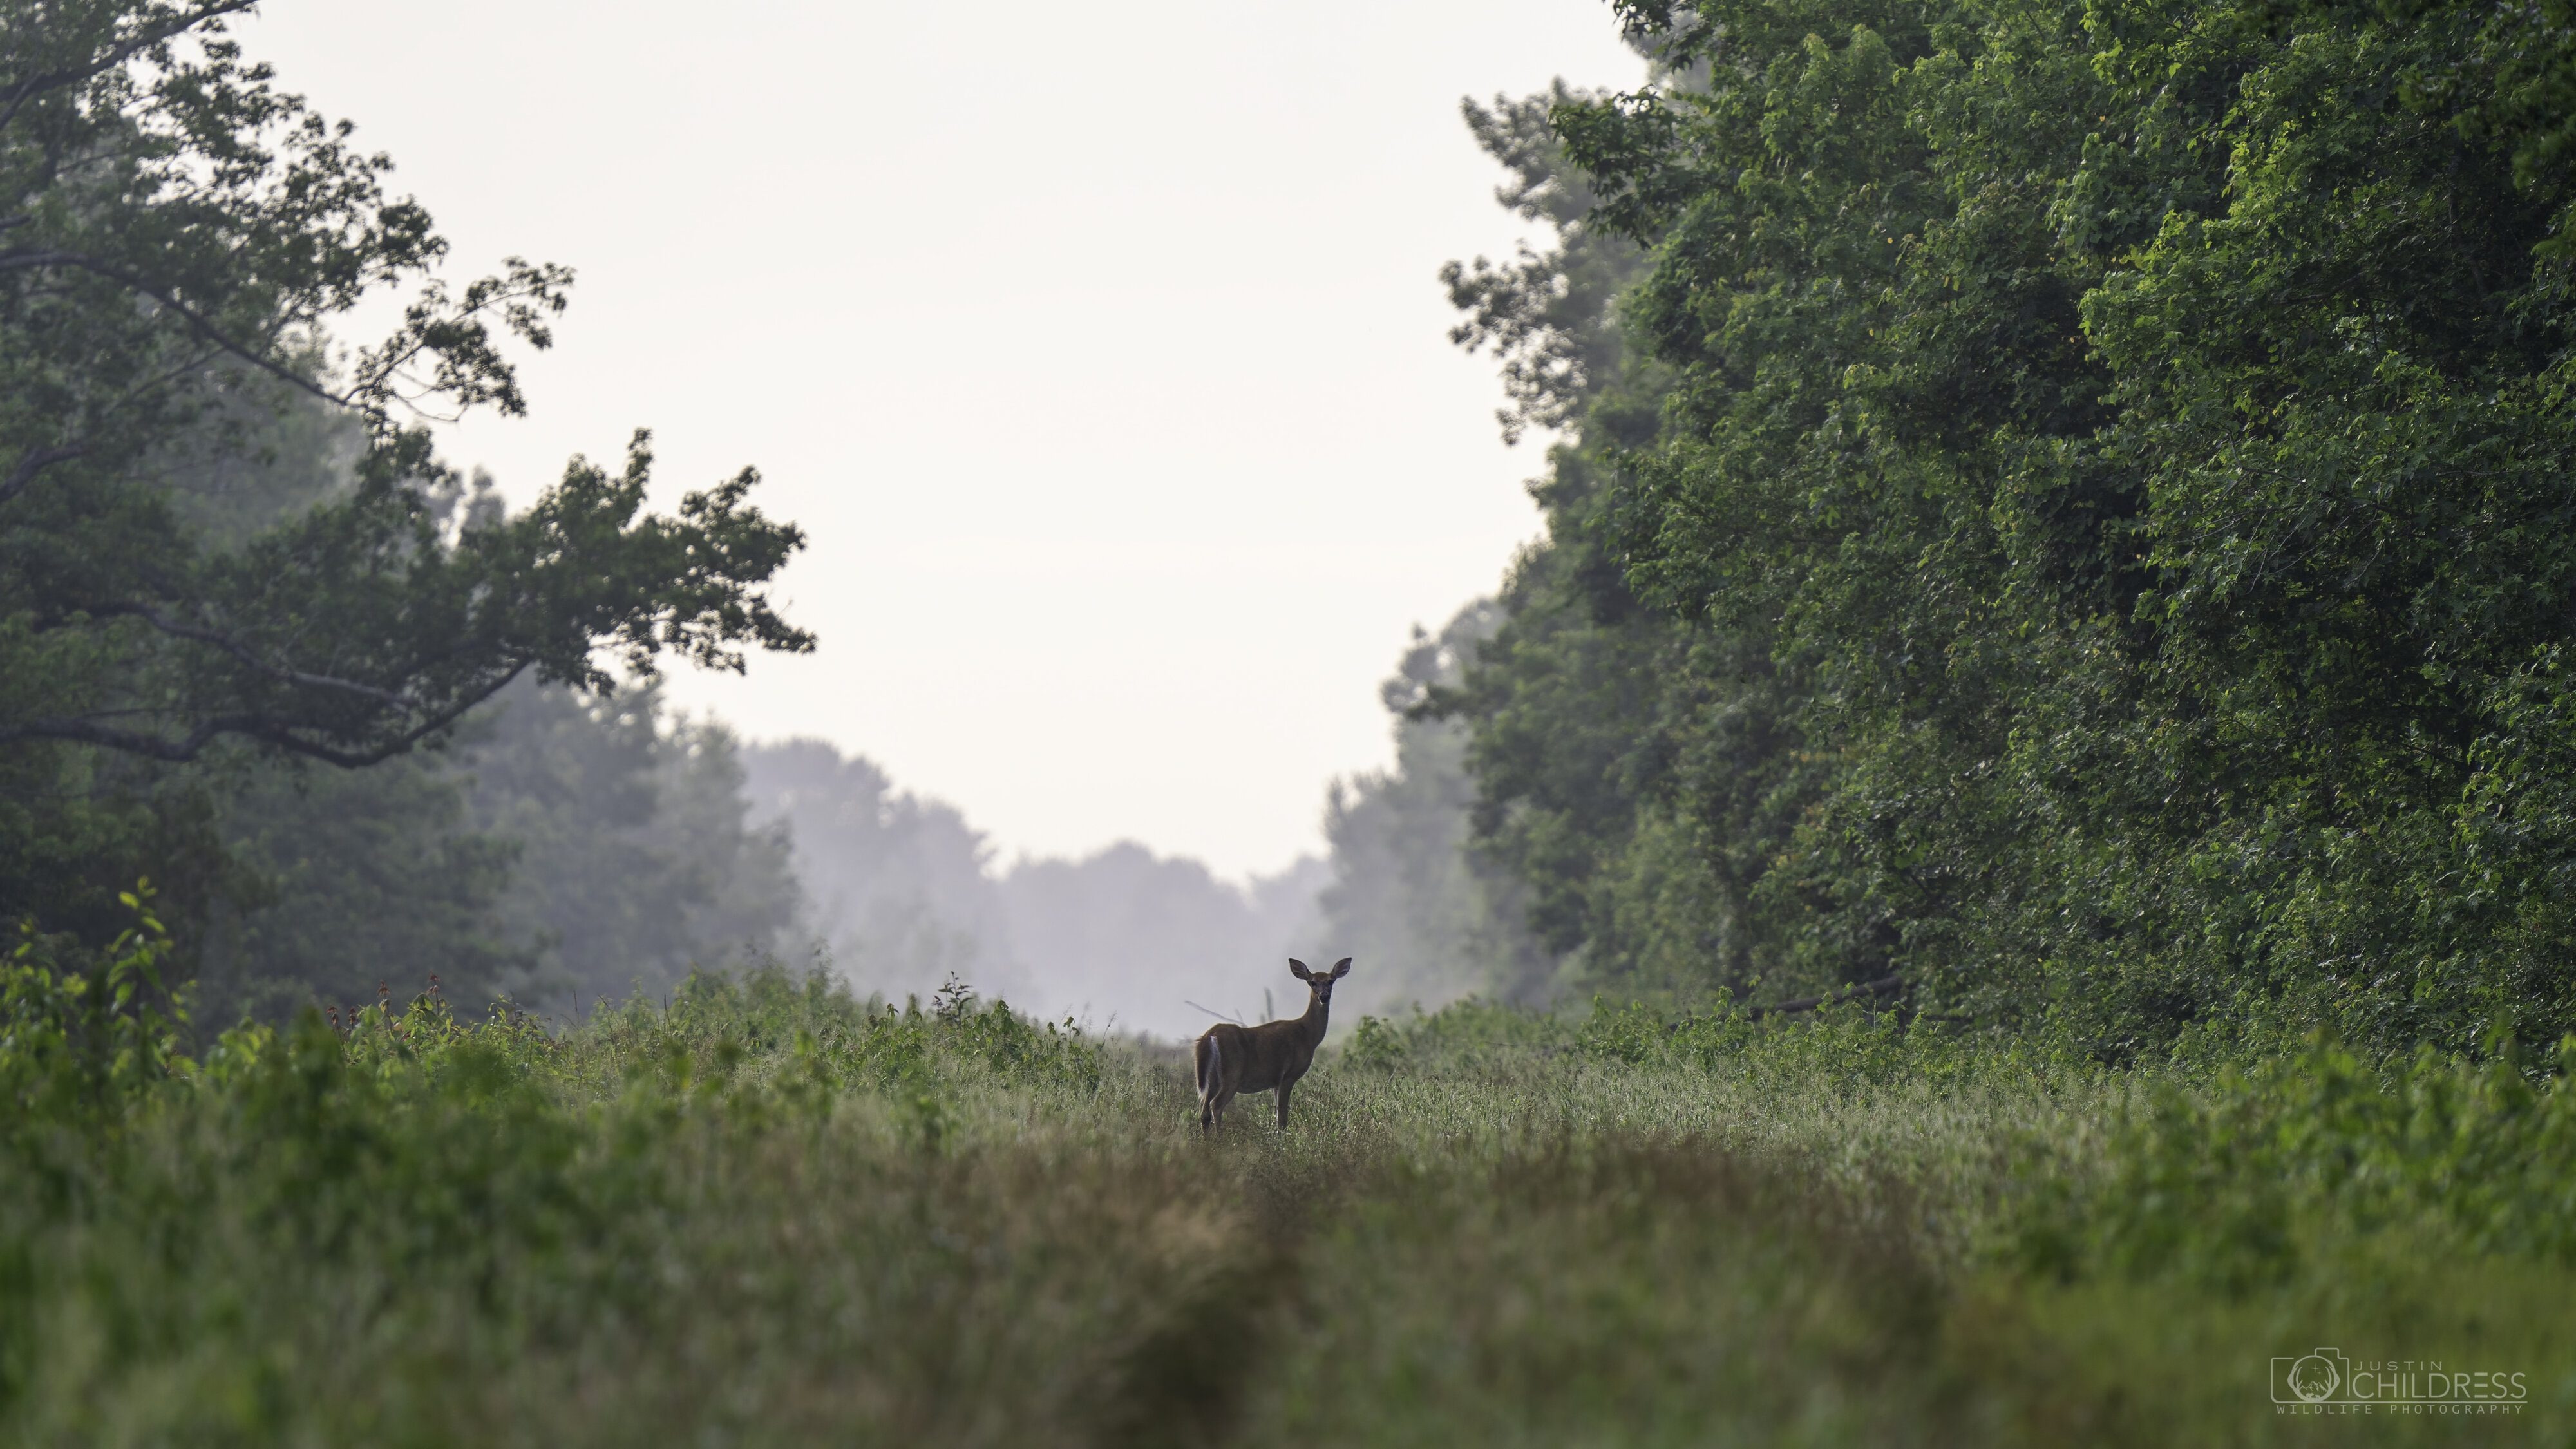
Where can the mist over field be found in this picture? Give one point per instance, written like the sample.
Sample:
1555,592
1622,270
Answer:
903,895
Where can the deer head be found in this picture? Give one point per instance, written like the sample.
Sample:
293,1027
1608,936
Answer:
1319,984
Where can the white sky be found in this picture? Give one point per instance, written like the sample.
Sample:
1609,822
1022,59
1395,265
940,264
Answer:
1097,348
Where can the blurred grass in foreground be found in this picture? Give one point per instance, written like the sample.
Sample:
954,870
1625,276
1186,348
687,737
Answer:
772,1214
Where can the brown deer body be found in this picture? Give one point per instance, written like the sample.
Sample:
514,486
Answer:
1232,1059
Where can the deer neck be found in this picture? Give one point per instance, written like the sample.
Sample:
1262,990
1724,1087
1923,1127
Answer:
1310,1027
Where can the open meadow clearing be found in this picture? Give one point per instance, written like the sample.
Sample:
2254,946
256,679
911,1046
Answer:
770,1214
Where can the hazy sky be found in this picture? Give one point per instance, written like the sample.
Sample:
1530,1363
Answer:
1098,349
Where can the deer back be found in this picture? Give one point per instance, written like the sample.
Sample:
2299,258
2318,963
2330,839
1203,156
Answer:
1258,1058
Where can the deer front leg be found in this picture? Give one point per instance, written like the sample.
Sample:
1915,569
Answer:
1283,1104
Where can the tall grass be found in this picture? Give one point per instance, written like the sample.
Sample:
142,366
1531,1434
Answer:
771,1213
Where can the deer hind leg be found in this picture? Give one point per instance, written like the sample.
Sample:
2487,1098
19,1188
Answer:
1203,1057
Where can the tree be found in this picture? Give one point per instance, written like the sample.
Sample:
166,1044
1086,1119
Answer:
1633,771
898,887
176,235
565,849
2121,450
350,878
638,857
1432,919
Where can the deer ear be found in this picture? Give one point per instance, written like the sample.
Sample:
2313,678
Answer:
1297,969
1341,968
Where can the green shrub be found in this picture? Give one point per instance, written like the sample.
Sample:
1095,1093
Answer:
2234,1181
82,1031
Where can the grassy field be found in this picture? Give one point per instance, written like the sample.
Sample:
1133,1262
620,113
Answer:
770,1214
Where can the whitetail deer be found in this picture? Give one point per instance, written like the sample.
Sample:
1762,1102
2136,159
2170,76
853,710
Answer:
1232,1059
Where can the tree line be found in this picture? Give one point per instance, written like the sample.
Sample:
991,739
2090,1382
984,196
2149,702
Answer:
2067,506
2062,508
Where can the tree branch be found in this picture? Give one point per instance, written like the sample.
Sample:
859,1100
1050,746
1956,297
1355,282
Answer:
198,320
33,463
267,729
132,742
242,652
15,98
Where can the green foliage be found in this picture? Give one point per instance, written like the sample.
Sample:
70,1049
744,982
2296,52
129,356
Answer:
352,877
1541,312
1628,770
219,546
565,849
1463,1036
770,1212
2246,1179
428,1176
1613,1290
1433,920
83,1031
637,859
2086,530
179,231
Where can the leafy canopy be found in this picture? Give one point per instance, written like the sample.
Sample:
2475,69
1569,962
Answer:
2100,541
174,235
